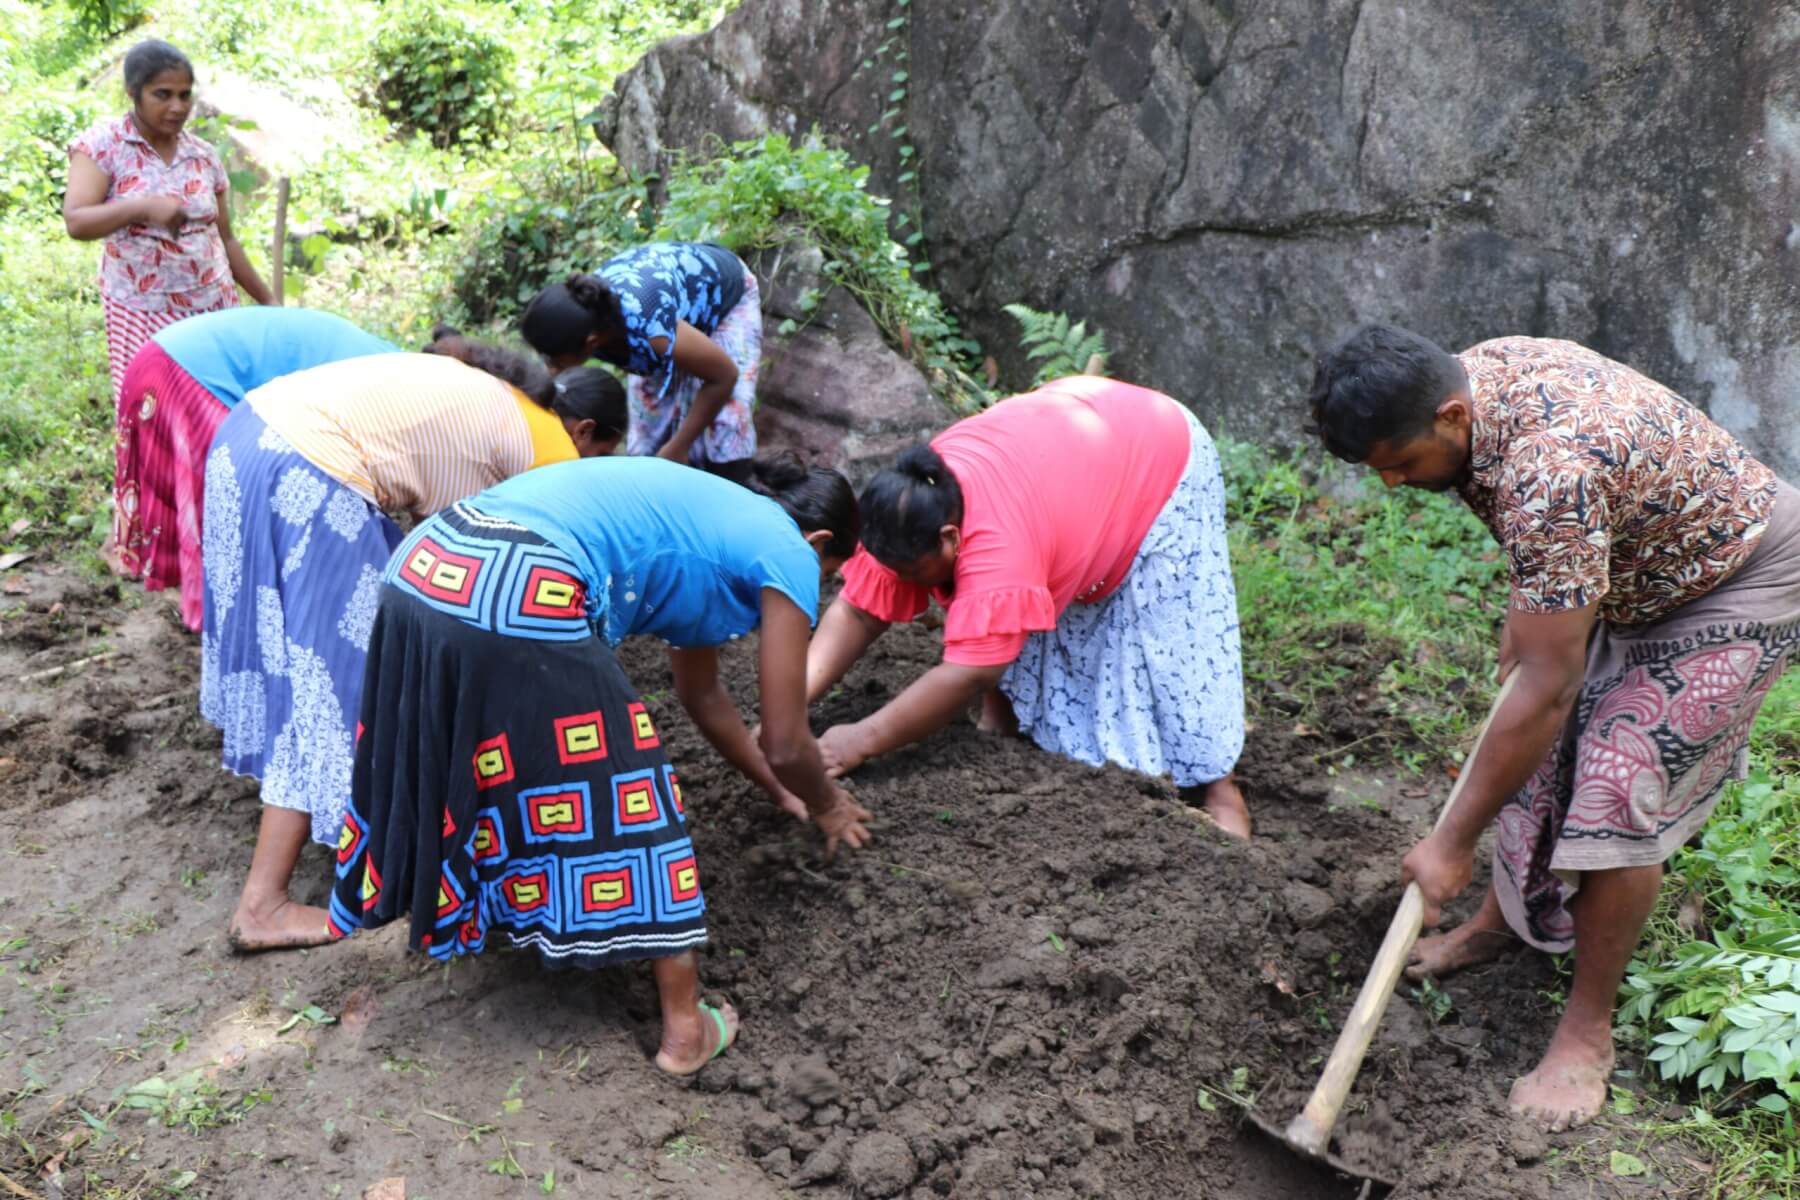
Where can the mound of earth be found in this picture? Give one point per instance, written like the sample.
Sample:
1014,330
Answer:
1041,980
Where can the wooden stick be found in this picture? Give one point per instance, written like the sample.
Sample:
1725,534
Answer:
278,252
79,663
1311,1130
16,1190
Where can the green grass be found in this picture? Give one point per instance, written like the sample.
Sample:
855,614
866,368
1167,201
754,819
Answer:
56,412
1318,550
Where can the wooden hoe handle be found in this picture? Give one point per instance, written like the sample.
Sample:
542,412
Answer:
1311,1130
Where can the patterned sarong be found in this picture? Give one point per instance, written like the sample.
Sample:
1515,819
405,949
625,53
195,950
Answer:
1150,678
657,413
293,572
1660,726
165,426
510,786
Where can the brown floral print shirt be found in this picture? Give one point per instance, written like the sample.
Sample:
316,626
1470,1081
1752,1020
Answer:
1604,486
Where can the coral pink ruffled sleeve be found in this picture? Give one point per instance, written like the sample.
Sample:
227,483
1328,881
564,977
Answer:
879,592
983,627
988,628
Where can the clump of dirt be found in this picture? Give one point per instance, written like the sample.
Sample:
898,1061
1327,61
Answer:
1041,980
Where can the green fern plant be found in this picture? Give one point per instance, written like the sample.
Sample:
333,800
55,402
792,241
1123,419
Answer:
1057,346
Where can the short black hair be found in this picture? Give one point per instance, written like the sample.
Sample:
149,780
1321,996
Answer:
906,505
591,394
1380,384
148,59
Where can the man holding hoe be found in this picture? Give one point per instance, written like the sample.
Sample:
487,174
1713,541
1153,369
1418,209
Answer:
1655,600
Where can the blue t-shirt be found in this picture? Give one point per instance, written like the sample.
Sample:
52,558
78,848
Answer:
660,285
664,549
236,350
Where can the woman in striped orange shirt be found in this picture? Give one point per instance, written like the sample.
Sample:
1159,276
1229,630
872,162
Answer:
294,539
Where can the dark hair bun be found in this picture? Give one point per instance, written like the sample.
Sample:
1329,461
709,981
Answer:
779,471
591,292
922,465
905,506
815,497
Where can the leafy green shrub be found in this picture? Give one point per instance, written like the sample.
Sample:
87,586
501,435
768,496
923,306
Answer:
56,411
766,193
558,224
35,170
104,18
441,75
228,28
1058,347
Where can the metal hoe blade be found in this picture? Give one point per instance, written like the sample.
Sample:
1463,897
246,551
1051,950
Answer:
1325,1156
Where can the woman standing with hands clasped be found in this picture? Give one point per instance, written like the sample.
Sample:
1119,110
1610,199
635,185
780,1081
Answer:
157,195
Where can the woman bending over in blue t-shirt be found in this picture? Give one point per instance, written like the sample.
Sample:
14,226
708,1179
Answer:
509,784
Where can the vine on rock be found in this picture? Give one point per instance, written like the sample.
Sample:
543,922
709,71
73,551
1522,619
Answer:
764,193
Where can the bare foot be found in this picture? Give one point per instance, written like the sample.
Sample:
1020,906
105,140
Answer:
997,715
1568,1089
1469,944
286,926
687,1048
1225,805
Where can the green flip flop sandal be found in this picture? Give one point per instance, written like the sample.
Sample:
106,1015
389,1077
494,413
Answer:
726,1038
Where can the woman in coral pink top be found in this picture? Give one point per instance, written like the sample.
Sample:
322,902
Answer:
156,194
1075,537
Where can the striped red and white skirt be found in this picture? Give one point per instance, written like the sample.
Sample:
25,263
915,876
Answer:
165,425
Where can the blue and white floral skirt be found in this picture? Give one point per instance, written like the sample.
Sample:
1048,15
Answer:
293,563
1151,678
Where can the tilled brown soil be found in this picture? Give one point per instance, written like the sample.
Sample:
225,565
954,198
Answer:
1042,980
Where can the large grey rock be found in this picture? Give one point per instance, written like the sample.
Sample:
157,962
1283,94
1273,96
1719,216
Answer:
832,388
1224,186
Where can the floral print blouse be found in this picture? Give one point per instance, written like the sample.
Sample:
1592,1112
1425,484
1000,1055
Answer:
147,267
660,285
1602,485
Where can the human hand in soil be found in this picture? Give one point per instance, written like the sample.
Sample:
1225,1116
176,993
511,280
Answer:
843,822
790,804
1442,870
841,748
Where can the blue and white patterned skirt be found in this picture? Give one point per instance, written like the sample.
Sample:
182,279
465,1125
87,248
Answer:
293,564
1151,678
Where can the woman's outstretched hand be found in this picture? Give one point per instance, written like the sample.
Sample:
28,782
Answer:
845,821
790,804
841,748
